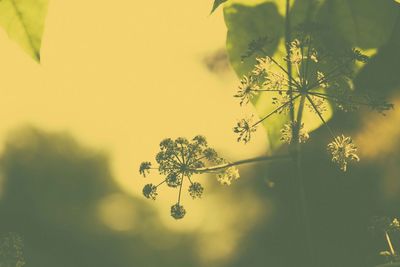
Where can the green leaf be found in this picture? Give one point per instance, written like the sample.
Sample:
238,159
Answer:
217,3
248,23
24,20
381,75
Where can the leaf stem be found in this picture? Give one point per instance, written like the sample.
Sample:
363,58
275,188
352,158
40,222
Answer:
320,116
241,162
275,111
392,251
295,148
289,63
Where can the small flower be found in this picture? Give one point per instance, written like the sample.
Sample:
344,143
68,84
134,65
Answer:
287,133
173,180
322,81
319,105
150,191
343,150
395,225
244,128
196,190
314,55
248,88
358,56
281,100
295,54
262,66
228,175
200,140
145,168
181,141
178,211
212,155
275,81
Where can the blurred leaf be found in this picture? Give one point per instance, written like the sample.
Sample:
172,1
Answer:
217,3
24,20
381,75
249,23
362,23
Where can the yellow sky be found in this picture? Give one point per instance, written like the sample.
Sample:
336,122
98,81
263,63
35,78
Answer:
122,75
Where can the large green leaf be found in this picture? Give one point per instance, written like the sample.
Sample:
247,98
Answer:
24,20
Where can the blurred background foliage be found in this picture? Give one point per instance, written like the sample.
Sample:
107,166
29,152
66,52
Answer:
60,199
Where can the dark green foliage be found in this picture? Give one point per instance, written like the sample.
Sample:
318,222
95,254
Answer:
52,189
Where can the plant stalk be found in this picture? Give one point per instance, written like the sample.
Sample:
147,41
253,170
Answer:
392,251
295,149
240,162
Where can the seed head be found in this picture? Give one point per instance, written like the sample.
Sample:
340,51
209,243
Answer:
178,211
150,191
196,190
144,168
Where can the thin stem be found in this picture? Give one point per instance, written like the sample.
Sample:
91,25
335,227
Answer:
180,190
292,83
241,162
331,74
320,116
183,155
324,79
300,111
392,251
298,181
308,58
287,72
270,90
295,147
289,63
161,183
298,72
275,111
176,156
337,99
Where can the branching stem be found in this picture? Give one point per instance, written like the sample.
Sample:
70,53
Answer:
240,162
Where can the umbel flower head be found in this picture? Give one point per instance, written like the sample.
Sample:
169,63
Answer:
307,77
343,150
178,160
245,128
